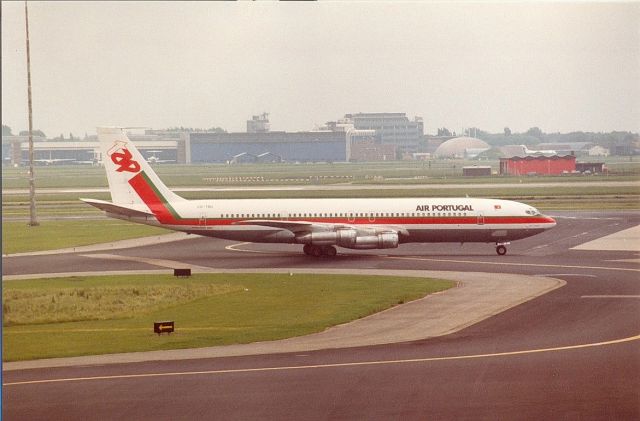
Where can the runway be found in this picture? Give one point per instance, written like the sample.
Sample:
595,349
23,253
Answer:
571,353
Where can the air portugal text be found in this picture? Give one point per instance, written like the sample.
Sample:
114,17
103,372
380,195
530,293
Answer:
443,208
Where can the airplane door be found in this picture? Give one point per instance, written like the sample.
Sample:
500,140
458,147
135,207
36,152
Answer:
480,218
203,218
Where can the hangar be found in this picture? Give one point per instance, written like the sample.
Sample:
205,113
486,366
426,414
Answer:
324,146
458,147
55,152
537,165
193,147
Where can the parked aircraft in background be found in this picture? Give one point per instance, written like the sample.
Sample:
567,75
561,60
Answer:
52,161
320,225
154,159
528,151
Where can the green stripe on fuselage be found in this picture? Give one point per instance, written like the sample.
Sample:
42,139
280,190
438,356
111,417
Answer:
162,198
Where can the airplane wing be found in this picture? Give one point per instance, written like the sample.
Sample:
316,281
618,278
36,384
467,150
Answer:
304,226
293,226
113,208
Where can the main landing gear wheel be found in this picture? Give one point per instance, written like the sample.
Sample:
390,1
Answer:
317,251
501,250
330,251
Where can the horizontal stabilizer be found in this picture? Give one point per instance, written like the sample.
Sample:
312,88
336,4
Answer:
117,209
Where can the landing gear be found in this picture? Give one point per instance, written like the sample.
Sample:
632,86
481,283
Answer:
501,250
329,251
317,251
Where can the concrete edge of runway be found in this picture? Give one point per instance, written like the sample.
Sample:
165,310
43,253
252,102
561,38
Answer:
478,296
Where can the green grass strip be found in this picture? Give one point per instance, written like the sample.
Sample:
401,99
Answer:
208,310
18,237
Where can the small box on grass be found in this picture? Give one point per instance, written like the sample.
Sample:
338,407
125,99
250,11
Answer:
182,272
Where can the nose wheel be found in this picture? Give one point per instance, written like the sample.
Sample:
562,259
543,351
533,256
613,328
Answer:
501,250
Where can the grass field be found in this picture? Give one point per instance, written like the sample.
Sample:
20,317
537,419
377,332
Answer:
436,171
18,237
63,317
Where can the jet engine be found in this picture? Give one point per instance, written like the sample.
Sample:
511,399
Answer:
349,238
384,240
343,238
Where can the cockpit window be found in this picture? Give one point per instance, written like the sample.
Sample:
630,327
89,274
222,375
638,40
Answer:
532,211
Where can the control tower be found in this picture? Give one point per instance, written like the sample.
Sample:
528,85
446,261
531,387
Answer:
258,123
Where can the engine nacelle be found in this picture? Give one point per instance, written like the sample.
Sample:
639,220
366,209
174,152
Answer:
342,238
385,240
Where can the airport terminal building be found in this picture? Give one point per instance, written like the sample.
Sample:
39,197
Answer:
391,128
362,136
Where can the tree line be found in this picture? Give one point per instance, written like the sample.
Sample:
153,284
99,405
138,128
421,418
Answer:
535,135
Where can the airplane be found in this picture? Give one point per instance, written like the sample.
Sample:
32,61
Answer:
154,159
528,151
319,225
52,161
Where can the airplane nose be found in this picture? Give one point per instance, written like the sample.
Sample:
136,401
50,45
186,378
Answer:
550,221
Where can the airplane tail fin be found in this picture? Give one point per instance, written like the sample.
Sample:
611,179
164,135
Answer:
130,176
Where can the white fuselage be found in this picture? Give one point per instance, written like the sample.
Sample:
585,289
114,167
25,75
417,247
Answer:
416,219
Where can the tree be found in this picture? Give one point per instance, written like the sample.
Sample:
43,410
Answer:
507,131
6,130
444,132
535,132
475,132
35,133
195,129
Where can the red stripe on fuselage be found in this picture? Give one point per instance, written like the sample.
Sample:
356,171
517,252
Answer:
466,221
155,202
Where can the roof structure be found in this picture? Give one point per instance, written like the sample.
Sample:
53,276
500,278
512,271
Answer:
456,147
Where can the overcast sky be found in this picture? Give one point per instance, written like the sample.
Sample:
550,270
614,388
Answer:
559,66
